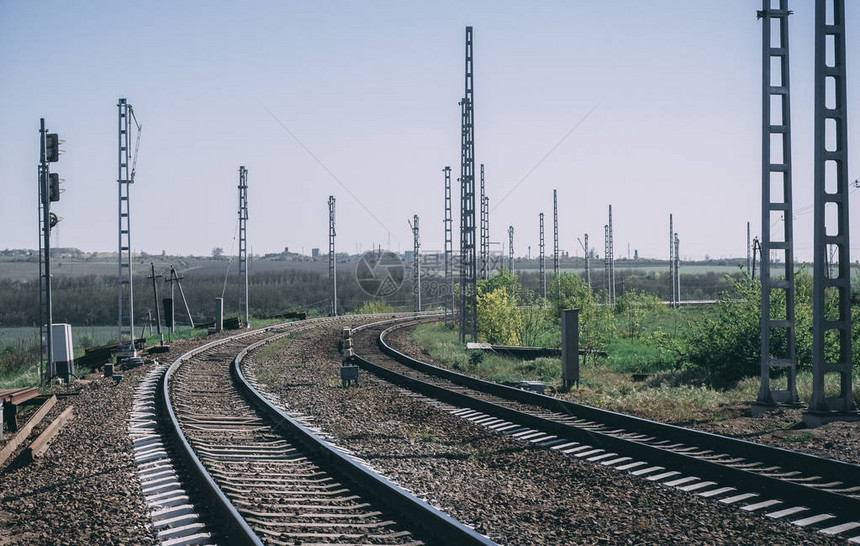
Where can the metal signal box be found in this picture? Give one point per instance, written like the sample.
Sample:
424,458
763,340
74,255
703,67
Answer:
63,350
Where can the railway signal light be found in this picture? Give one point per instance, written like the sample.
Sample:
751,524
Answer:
54,187
52,147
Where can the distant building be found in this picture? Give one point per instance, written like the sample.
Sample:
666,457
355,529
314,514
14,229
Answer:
315,253
636,254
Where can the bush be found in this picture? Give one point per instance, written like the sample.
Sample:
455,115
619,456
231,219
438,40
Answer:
498,319
729,346
373,307
633,308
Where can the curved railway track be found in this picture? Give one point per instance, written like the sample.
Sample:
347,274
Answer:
258,475
809,491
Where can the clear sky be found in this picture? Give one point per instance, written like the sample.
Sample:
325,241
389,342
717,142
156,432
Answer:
359,100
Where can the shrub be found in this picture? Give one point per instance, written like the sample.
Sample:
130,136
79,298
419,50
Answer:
498,319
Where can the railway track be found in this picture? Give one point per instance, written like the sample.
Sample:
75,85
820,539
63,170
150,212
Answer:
811,492
232,468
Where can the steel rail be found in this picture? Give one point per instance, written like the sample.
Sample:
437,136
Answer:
231,523
846,506
431,520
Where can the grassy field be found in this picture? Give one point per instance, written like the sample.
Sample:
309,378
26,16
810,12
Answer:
91,335
663,394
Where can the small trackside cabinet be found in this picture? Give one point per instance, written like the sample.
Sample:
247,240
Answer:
64,351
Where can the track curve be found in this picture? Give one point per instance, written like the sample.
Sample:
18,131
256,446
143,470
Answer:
267,478
809,491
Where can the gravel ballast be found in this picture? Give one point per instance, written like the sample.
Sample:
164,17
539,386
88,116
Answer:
782,427
84,490
511,491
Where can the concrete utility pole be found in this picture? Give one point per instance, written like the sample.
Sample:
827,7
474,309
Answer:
332,262
416,264
776,174
243,248
749,251
831,220
153,276
176,279
468,269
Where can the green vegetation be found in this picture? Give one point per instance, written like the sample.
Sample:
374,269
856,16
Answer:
374,307
662,363
441,345
642,336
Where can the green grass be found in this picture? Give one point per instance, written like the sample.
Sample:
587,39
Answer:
667,395
441,344
27,376
634,356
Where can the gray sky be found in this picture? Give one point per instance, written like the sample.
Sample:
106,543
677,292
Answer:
663,97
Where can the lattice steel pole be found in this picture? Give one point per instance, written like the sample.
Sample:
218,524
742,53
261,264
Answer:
677,273
449,241
486,204
125,347
555,233
332,261
542,260
606,251
243,248
416,265
511,249
468,269
831,325
611,261
485,236
671,263
587,263
777,322
45,297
